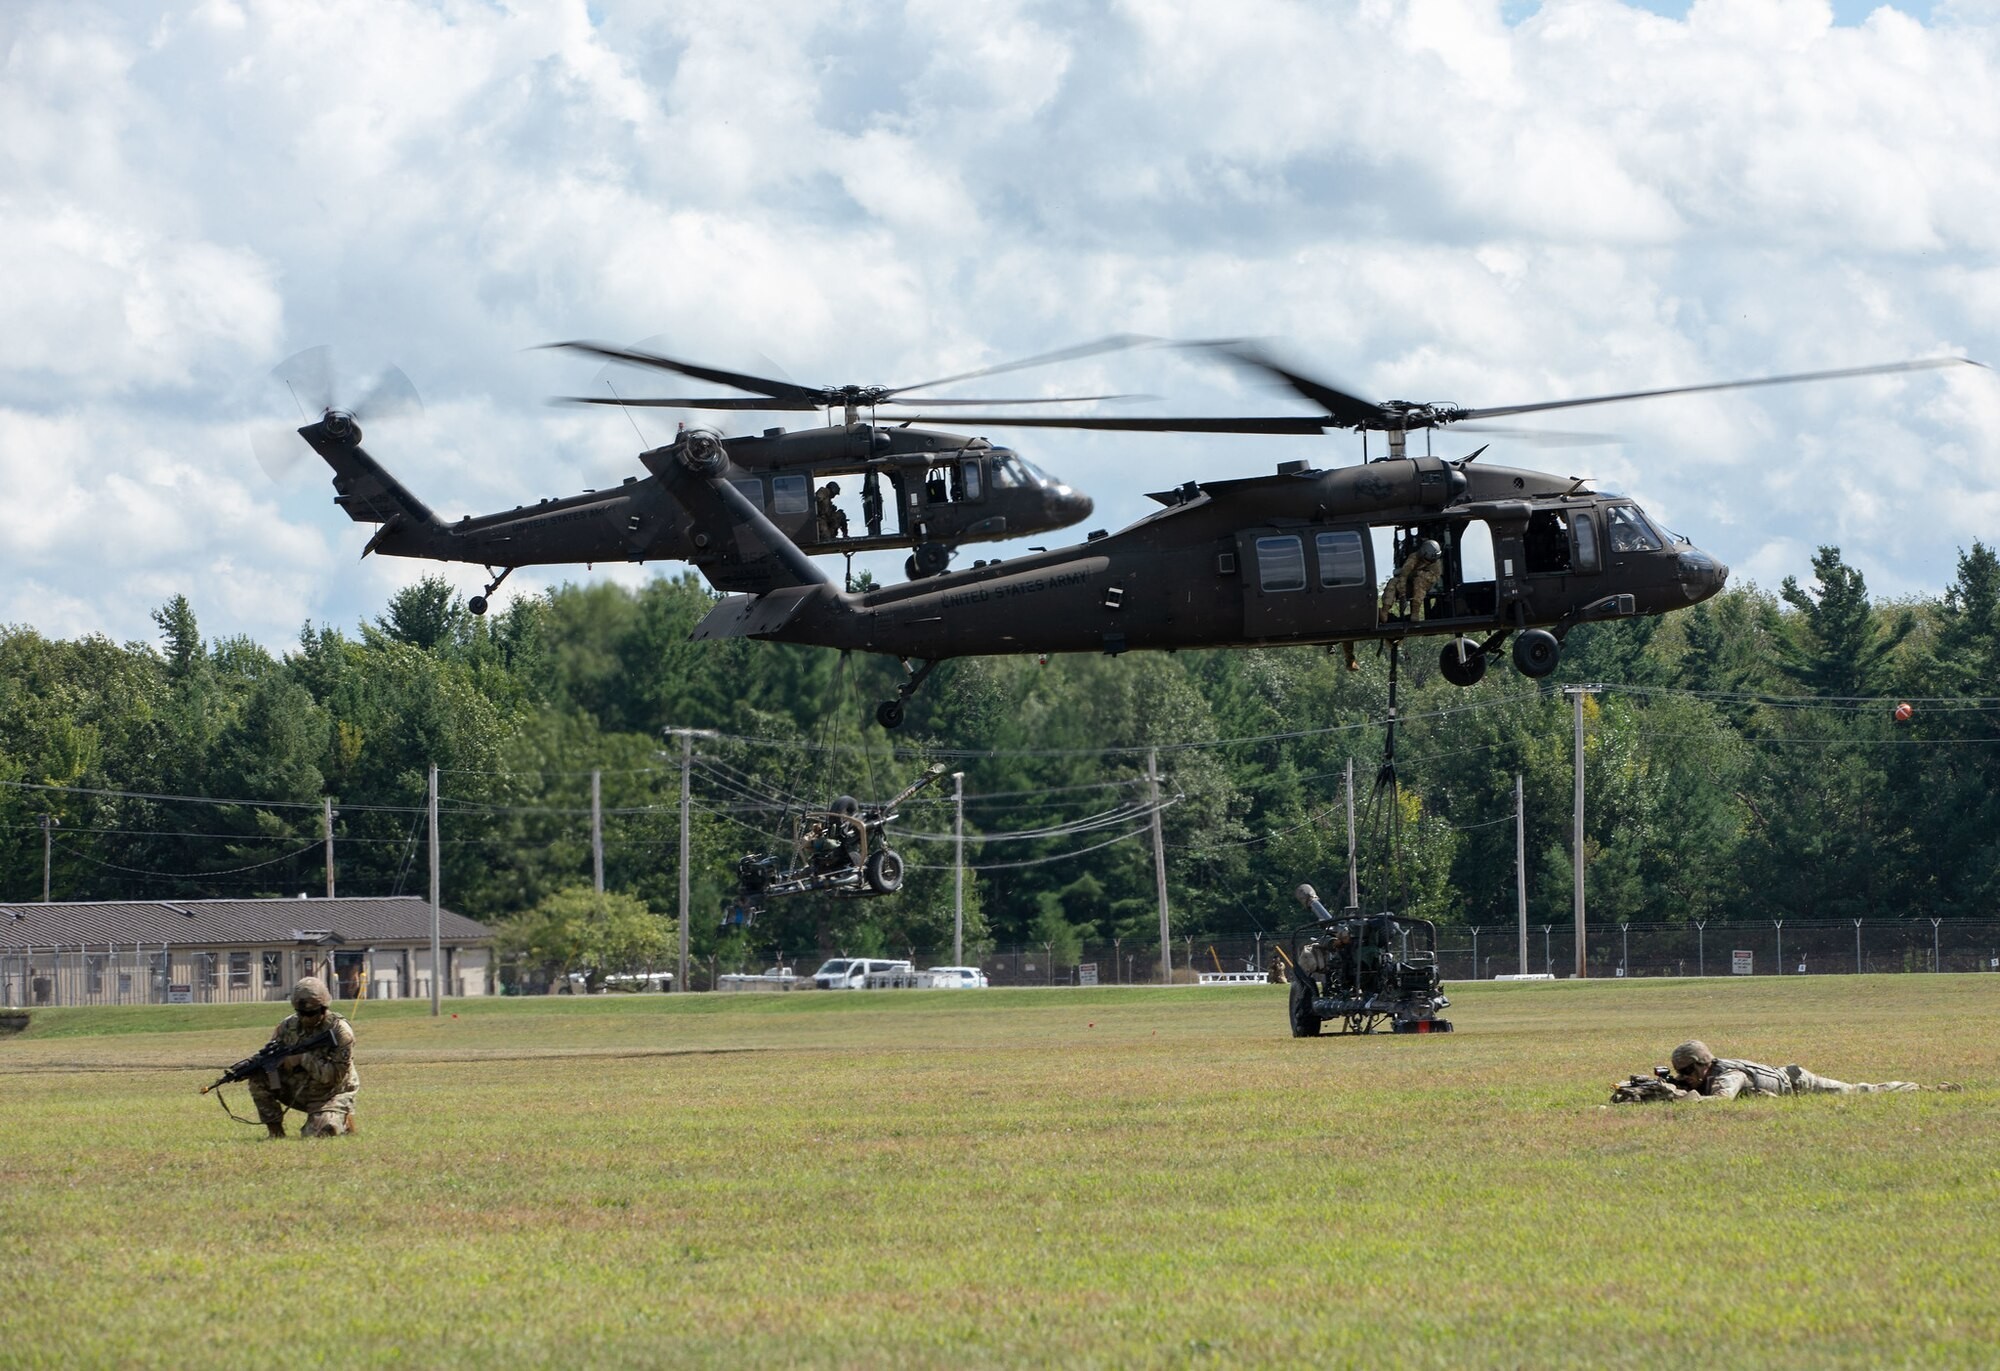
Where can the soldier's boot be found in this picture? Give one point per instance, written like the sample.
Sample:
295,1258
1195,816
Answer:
1352,665
352,1126
270,1109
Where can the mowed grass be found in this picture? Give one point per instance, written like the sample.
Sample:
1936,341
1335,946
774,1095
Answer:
1109,1177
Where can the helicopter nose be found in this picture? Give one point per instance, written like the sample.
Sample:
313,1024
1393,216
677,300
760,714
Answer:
1070,506
1701,575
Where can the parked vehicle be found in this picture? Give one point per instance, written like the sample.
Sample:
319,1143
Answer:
852,973
957,978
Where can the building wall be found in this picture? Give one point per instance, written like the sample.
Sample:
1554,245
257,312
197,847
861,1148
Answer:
123,974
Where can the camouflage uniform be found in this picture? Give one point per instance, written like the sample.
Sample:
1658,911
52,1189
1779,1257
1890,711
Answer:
323,1083
1724,1078
1413,580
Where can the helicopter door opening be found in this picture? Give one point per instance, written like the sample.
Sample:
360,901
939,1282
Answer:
1469,573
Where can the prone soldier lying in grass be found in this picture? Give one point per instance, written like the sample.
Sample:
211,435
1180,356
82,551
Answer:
1698,1074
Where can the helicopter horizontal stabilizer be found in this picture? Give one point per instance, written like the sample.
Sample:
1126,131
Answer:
753,616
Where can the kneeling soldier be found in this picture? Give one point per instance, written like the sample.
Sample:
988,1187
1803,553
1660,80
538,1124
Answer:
319,1084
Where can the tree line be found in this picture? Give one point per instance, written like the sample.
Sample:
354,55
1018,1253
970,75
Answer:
1743,763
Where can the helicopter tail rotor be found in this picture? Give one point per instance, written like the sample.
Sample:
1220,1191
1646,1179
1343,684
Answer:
306,383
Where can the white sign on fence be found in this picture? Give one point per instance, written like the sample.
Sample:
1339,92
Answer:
180,994
1739,963
1087,974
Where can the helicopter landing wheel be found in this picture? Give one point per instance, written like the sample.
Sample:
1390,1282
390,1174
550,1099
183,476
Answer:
889,714
1461,662
477,604
1536,652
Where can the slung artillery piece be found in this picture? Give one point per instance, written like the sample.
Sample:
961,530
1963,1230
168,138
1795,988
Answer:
842,850
1361,972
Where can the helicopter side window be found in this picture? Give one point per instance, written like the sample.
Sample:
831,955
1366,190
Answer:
752,488
1546,547
791,494
968,471
1005,475
1628,530
1281,564
1586,541
1341,561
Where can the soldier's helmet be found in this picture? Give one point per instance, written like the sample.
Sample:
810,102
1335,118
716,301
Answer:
844,805
1305,894
1429,551
310,993
830,488
1692,1055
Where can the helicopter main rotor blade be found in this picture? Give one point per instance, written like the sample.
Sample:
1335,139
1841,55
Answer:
1841,373
1258,424
742,381
747,402
1115,342
1025,400
1343,410
1542,437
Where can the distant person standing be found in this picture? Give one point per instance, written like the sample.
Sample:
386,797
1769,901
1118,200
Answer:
319,1083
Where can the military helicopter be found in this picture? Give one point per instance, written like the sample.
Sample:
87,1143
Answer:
947,489
1288,558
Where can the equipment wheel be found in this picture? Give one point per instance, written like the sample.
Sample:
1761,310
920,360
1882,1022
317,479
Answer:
1305,1023
885,871
1536,652
889,714
1464,672
931,558
477,604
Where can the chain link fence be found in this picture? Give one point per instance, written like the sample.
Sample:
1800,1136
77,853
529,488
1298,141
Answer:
1791,948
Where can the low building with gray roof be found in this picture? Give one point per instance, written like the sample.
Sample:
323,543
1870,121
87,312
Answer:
218,951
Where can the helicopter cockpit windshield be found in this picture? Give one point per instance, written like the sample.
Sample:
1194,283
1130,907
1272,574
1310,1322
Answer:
1631,531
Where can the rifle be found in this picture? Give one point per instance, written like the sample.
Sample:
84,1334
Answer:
267,1058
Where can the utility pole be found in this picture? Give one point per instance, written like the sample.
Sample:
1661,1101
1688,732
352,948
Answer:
1353,875
958,868
1159,866
437,948
597,834
1576,694
326,827
49,821
687,737
1520,870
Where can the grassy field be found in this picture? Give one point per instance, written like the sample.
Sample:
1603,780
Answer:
1080,1177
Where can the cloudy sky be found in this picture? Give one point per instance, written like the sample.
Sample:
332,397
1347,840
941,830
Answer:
1479,201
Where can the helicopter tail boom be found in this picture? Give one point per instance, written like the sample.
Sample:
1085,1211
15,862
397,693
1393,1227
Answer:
362,487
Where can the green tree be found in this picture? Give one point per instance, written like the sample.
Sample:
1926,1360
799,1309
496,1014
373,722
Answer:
577,930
